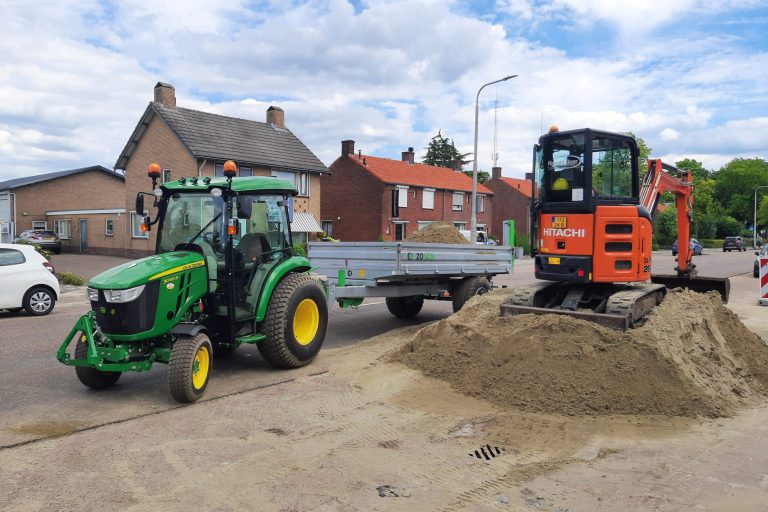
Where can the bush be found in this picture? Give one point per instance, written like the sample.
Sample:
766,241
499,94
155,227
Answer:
712,244
728,226
523,240
300,250
67,277
43,252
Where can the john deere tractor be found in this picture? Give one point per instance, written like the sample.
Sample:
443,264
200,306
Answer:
224,274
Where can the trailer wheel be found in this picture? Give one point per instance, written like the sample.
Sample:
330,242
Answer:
91,377
190,366
295,324
467,289
405,307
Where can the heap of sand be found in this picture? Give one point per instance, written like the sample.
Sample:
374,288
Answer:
692,357
439,233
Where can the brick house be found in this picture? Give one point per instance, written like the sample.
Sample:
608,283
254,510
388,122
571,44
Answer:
511,201
85,207
190,143
358,196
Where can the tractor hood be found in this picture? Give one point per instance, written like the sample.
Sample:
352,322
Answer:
145,270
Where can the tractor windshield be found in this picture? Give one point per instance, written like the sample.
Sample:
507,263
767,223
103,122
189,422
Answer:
192,218
564,168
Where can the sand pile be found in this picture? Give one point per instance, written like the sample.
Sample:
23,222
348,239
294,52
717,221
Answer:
439,233
691,357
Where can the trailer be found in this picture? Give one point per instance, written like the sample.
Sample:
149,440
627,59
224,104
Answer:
407,273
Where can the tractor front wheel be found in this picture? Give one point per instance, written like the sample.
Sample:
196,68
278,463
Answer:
189,367
91,377
295,324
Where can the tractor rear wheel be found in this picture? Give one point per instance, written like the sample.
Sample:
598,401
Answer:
405,307
91,377
190,367
295,324
467,289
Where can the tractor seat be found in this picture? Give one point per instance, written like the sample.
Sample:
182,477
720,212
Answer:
252,246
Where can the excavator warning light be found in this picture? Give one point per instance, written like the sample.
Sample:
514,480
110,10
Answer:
230,169
153,171
554,129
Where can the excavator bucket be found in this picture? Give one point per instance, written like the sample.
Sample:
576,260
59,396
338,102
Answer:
722,285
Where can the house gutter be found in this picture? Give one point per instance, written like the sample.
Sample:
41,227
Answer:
200,169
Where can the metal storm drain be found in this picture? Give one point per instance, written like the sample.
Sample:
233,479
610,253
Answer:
487,452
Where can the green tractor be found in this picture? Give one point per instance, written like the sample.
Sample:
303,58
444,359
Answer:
223,274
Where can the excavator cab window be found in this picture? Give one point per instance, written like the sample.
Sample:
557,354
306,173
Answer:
564,168
611,168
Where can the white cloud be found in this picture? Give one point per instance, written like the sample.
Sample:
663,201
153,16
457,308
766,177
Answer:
669,134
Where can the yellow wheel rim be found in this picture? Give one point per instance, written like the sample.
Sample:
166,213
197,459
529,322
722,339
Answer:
200,367
306,320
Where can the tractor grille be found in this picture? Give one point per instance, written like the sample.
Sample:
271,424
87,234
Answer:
129,317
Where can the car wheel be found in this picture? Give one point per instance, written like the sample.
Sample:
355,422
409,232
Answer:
39,301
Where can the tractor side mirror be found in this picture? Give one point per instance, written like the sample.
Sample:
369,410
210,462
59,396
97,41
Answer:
290,210
139,204
244,207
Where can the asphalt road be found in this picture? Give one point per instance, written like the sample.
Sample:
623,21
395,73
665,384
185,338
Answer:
41,397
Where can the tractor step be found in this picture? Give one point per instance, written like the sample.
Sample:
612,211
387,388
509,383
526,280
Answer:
612,321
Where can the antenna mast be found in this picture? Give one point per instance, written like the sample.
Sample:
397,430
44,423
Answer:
495,155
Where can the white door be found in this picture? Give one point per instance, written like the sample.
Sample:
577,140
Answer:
15,275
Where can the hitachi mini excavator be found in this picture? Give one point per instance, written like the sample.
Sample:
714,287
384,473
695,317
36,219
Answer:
592,223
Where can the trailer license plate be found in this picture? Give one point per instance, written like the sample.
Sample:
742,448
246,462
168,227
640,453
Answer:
554,261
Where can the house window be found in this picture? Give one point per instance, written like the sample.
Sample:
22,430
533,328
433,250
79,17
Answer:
39,224
166,175
458,201
400,231
300,180
245,171
428,199
327,226
424,223
460,225
218,170
109,229
63,228
402,197
136,221
480,203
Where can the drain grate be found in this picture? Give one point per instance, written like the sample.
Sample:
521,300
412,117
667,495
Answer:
487,452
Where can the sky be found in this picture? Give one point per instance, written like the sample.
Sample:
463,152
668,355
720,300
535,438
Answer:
690,77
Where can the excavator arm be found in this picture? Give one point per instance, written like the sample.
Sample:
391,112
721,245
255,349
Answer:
662,178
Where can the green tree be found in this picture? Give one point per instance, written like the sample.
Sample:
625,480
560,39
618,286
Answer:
441,152
735,183
482,176
696,168
665,226
644,153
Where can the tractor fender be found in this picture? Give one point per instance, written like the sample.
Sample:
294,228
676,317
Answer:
188,329
293,264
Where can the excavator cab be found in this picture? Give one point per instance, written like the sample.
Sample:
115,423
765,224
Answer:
592,228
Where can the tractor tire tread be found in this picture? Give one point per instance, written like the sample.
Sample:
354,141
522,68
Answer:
180,366
91,377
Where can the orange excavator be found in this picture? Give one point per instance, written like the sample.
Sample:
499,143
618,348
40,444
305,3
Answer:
592,227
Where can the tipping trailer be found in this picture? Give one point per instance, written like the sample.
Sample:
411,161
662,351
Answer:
407,273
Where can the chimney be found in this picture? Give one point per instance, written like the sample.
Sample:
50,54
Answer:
496,173
276,117
408,156
529,176
165,94
347,147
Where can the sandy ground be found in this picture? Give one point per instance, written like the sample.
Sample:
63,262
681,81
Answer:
355,431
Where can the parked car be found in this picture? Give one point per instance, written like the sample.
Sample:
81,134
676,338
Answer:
695,245
734,243
762,253
48,240
28,280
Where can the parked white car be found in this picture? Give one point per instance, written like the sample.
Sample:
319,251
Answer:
26,280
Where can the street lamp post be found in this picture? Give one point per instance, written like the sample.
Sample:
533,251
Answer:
754,218
473,234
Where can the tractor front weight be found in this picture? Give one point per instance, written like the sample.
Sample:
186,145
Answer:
103,354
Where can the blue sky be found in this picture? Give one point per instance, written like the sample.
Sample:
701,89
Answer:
688,76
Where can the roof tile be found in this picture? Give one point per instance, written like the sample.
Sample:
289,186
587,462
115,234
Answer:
523,186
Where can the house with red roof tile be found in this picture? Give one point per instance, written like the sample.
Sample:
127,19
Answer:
511,201
368,198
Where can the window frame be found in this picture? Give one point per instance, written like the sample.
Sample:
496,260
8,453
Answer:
56,228
44,228
455,204
481,203
428,192
168,179
107,230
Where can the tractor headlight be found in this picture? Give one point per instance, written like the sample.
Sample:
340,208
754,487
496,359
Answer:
93,295
123,295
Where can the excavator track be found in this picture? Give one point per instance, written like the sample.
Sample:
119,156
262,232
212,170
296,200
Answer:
623,307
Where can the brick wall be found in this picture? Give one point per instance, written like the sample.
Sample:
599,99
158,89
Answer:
353,200
91,190
158,144
509,204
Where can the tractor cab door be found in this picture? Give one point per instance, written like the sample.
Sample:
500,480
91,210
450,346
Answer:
263,237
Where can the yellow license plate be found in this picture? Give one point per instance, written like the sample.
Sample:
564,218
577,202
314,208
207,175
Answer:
554,261
560,222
